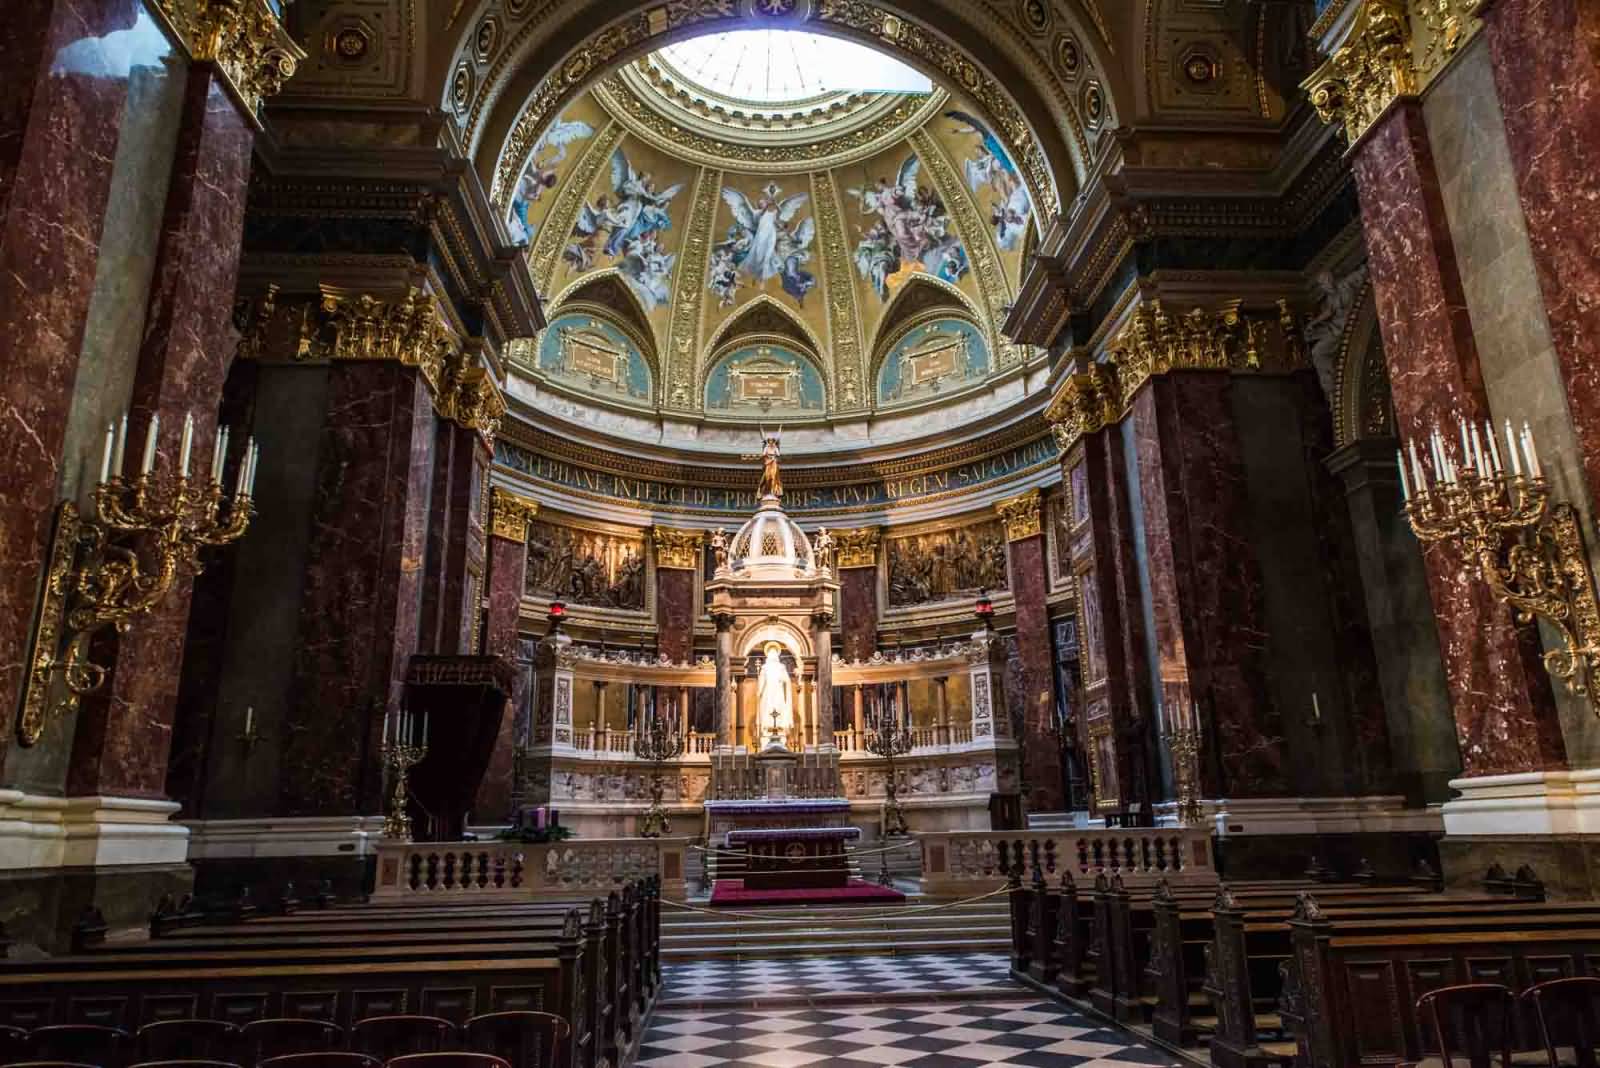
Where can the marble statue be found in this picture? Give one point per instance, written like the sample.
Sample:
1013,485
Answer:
774,697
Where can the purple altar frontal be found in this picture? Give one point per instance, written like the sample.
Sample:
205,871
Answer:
791,858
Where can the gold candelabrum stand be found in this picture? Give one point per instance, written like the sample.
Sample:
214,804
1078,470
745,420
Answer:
888,740
1183,743
658,743
1527,549
399,757
108,569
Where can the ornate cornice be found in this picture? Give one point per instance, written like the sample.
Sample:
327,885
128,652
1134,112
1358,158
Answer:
857,547
471,399
678,548
1389,49
1020,514
243,38
510,514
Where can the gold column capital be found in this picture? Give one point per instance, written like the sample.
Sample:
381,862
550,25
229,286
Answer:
246,41
409,329
510,514
857,547
472,400
1021,515
678,548
1085,402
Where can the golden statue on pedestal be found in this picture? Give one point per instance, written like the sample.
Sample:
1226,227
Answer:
771,478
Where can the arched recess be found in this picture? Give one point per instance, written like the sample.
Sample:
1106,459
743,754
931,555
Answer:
921,295
1363,407
762,317
607,296
760,376
776,629
505,94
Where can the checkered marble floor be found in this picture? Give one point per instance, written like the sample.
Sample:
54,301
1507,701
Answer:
943,1035
804,978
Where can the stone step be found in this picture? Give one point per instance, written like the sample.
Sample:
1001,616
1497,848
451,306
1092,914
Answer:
966,942
690,922
710,939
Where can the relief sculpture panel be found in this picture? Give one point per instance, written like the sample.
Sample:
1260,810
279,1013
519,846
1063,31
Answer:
586,567
946,564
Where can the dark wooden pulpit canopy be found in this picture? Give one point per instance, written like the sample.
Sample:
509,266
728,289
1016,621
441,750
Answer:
461,699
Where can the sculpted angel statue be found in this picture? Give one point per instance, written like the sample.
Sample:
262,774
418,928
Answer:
774,703
771,480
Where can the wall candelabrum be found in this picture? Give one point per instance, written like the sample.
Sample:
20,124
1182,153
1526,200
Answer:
111,567
658,741
1529,550
1182,735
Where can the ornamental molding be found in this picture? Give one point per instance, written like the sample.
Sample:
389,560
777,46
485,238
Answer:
1020,514
244,40
857,547
1383,51
510,514
844,314
682,354
678,548
472,400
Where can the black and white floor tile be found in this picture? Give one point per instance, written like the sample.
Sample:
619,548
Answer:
804,978
1034,1033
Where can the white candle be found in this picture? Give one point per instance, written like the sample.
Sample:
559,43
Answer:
1494,450
255,455
122,443
1511,450
1316,708
1477,453
217,452
105,458
1405,484
1534,467
244,464
1466,446
424,739
1416,466
186,446
150,433
249,719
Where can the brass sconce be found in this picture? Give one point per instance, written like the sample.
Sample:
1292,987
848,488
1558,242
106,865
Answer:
1529,550
107,570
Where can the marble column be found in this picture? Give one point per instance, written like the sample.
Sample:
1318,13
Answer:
677,560
1041,748
359,608
58,142
856,563
727,691
124,735
1504,710
508,562
822,642
1547,75
453,580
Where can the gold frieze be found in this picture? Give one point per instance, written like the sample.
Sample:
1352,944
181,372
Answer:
678,548
947,564
511,514
1020,514
857,547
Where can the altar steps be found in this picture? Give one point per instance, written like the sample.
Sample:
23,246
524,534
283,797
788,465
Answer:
817,931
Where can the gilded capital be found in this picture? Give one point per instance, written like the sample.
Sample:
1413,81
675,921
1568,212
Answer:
1154,342
856,548
1020,515
246,41
678,548
473,400
1086,401
510,514
409,329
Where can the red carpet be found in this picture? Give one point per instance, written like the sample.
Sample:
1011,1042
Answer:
732,892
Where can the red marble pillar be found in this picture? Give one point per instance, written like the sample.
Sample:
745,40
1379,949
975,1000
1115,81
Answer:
1110,630
856,563
58,138
1505,715
508,563
359,606
124,736
452,589
1205,583
1041,747
677,560
1546,64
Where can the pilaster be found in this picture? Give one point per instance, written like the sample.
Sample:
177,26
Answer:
1040,740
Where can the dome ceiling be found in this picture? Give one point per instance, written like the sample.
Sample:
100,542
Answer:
718,232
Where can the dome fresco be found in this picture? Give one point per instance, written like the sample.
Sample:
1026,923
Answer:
703,212
589,353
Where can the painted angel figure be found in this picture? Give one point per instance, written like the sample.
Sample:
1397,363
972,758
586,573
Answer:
641,208
541,173
767,221
991,167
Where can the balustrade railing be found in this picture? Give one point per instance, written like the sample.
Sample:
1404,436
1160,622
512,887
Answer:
474,871
928,737
966,862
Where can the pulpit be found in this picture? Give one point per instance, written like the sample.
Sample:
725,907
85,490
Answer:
461,700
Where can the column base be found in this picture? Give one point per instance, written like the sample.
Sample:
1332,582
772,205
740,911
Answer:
267,853
1526,803
40,832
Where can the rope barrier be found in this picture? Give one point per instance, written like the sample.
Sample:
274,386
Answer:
854,914
856,853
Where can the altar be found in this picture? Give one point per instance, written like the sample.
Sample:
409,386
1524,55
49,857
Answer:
794,858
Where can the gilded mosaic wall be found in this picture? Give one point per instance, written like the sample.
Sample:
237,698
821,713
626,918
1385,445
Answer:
943,565
586,567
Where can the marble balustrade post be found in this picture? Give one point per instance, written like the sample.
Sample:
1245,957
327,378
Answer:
727,687
507,562
941,710
1029,585
1505,713
124,734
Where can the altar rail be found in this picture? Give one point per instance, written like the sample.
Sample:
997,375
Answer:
613,742
511,871
922,738
960,863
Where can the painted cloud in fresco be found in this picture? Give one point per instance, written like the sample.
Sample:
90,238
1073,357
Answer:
989,167
913,232
541,172
763,242
624,231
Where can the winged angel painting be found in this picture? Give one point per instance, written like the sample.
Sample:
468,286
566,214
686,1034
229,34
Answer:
913,232
544,167
763,242
990,168
623,226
